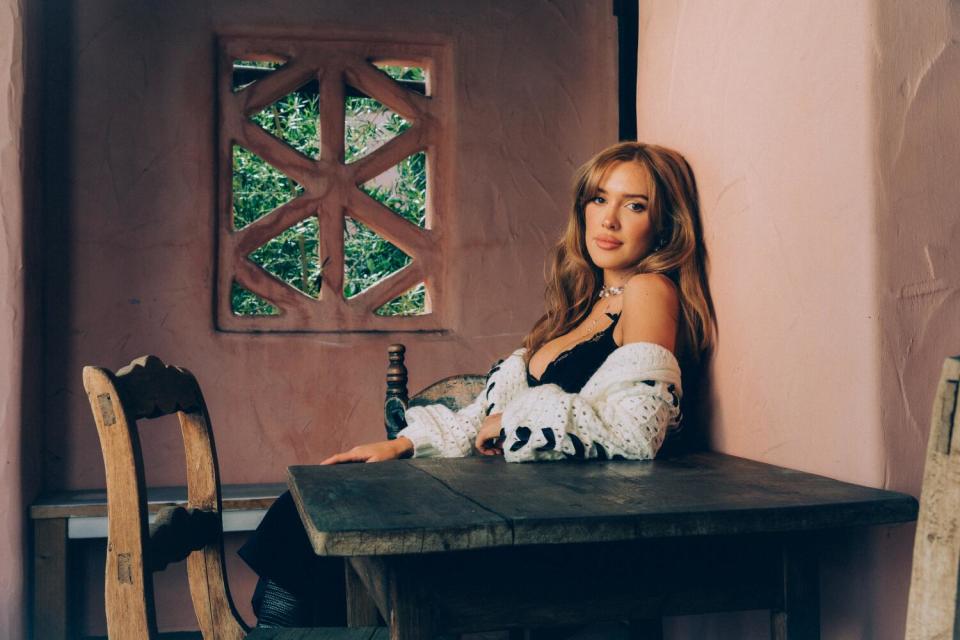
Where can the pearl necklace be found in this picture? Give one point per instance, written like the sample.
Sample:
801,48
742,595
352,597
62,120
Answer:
606,292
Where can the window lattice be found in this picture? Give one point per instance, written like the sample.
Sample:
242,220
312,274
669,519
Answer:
324,192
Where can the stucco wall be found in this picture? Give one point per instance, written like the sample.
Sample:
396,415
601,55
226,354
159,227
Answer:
12,303
824,140
136,270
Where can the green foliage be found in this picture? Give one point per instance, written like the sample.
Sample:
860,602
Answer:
293,256
258,188
246,303
294,119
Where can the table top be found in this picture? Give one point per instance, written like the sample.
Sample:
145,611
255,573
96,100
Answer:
438,504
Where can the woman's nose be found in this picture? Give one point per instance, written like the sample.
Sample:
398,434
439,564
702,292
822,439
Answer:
609,221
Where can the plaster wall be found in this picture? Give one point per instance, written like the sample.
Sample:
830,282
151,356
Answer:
12,303
825,143
135,274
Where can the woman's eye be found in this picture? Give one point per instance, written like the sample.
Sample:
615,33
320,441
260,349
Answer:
598,200
636,206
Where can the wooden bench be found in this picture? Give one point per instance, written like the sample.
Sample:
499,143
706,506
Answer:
82,515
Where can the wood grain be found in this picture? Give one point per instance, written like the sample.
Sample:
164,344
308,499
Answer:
388,508
427,505
361,607
454,392
149,388
699,494
128,584
933,610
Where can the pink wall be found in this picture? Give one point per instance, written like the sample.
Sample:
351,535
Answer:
12,541
135,275
824,139
142,206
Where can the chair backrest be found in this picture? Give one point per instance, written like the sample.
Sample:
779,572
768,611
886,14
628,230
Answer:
147,388
933,611
455,392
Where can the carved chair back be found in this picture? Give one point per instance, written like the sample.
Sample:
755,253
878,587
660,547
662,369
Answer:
147,388
933,610
455,392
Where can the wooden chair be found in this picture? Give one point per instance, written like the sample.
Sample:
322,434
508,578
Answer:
455,392
147,388
933,610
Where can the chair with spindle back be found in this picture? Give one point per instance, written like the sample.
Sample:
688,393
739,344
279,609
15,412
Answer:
147,388
455,392
933,610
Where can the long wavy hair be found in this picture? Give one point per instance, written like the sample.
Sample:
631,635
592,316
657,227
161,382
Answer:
574,281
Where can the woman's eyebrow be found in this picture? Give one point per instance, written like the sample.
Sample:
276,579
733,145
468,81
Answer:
627,195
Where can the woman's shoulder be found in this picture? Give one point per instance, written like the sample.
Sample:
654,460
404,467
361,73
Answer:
651,286
651,310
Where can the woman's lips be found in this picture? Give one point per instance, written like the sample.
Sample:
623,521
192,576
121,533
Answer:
607,243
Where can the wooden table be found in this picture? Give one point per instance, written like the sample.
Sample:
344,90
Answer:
473,544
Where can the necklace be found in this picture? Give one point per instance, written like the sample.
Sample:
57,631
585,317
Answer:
606,292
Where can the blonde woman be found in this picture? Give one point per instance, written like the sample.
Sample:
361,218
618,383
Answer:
598,376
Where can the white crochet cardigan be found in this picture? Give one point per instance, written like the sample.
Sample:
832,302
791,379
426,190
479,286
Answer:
623,411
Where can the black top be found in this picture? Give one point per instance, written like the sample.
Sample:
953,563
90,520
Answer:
571,369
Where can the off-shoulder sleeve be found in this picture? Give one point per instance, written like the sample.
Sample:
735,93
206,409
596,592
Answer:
437,431
624,411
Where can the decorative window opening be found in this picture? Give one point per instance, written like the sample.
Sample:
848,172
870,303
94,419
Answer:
249,304
246,72
331,199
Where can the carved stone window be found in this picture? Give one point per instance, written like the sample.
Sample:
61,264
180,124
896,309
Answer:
314,137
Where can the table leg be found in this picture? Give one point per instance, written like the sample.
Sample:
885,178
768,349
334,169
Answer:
50,605
799,616
411,607
361,609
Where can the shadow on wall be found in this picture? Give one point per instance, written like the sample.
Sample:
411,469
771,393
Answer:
55,139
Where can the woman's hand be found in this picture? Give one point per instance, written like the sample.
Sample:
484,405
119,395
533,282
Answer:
374,452
488,441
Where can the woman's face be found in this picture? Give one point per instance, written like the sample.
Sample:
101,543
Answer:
619,232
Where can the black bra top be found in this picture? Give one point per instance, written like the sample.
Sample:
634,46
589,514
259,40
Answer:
571,369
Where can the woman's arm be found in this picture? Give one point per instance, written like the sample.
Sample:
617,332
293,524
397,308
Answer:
436,431
374,452
626,407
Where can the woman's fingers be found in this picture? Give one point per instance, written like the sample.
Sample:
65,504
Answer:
348,456
489,450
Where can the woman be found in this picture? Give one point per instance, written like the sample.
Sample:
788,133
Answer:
597,377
